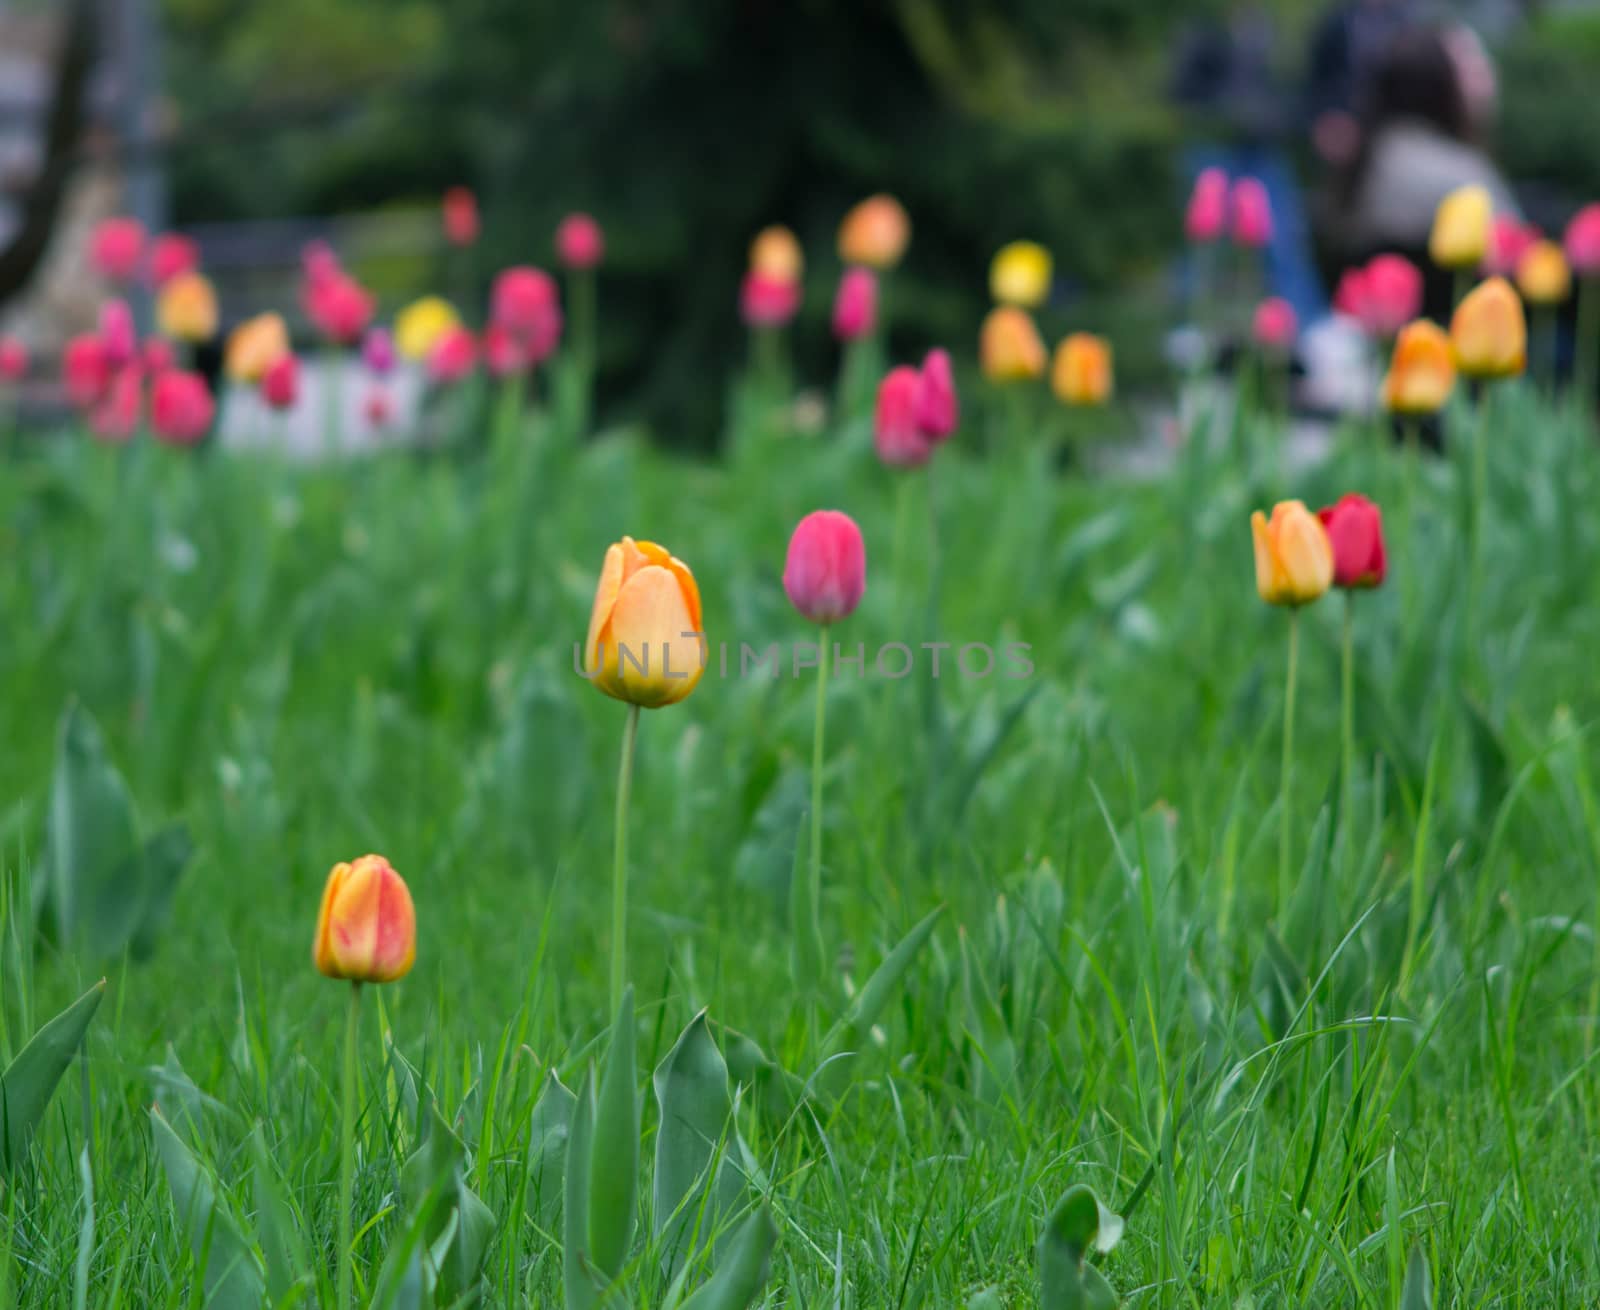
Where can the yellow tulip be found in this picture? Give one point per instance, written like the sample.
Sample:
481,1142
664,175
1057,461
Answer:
1020,274
1543,276
875,233
1009,348
645,645
1294,558
186,308
255,346
1489,333
776,254
1422,370
1460,233
367,927
1081,372
418,327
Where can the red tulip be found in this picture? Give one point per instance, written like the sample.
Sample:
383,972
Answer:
855,307
896,433
118,334
825,574
155,355
115,415
1274,326
503,352
280,384
766,300
339,307
1583,241
1509,237
460,214
580,244
1355,530
1252,213
86,372
1208,206
13,359
116,247
171,255
318,264
181,407
938,412
453,357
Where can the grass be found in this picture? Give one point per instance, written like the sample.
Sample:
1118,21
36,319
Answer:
303,665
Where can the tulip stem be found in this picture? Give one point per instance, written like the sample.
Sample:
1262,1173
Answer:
1480,497
347,1149
1347,716
619,870
1286,773
814,899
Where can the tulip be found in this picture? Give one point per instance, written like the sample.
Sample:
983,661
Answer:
13,359
938,411
1489,333
254,347
1509,239
459,212
1383,296
118,334
1543,276
503,353
1355,533
156,355
181,407
1422,371
825,572
453,357
899,438
186,308
377,352
172,255
280,384
419,326
339,308
1582,241
855,307
766,301
1208,206
875,233
115,415
1460,236
1294,559
521,297
377,407
115,248
1009,348
1081,372
86,372
319,265
1274,326
645,644
1252,214
776,254
580,244
1020,275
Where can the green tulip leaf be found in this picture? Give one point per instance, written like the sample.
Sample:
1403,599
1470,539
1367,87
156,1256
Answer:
1078,1225
549,1128
577,1278
92,828
742,1272
31,1078
614,1154
869,1002
1417,1292
277,1232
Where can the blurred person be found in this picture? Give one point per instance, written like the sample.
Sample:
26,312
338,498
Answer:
1347,46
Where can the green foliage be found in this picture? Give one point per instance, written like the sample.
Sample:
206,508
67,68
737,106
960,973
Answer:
27,1082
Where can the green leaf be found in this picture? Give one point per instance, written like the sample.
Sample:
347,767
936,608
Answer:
868,1003
28,1081
549,1127
92,824
614,1154
691,1086
276,1230
742,1272
157,866
1417,1293
576,1277
457,1228
80,1270
232,1277
1078,1225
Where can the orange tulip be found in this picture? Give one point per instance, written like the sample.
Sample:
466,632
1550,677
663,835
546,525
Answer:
1543,276
875,233
1422,371
776,254
1489,333
1081,373
1294,558
1009,348
367,929
255,346
1460,233
646,645
186,308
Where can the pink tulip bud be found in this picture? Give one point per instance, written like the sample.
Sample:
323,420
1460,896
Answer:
896,433
522,297
117,333
116,247
1509,238
172,255
580,244
86,372
114,416
453,357
825,574
855,307
13,359
1583,241
1383,296
377,351
766,300
339,308
938,412
503,352
1252,213
460,215
181,407
1208,206
1274,326
280,384
318,264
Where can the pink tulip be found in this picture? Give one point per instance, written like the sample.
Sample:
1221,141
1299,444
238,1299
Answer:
318,265
118,334
855,306
1509,237
460,215
86,372
171,255
181,407
13,359
377,352
895,432
1274,325
1383,296
938,412
580,244
825,574
155,356
504,355
116,247
1252,213
1208,206
1583,241
115,415
768,301
280,384
522,298
453,357
377,407
339,308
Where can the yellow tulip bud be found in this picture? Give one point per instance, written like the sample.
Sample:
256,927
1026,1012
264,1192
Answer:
1009,348
1422,370
646,645
1081,373
1460,233
1294,558
255,346
367,928
1489,333
420,325
186,308
776,254
1543,276
875,233
1020,274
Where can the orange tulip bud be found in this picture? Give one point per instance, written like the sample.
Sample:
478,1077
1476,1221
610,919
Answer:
646,645
1460,235
1422,371
1543,276
1081,373
1294,558
1489,332
255,346
875,233
1009,348
367,929
186,308
776,255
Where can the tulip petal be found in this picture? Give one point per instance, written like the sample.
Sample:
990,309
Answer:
605,599
656,661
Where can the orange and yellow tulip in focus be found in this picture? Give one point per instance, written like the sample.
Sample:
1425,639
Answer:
1020,275
1294,558
255,346
420,326
1009,347
1543,275
1422,370
646,645
186,308
1081,371
1460,233
1489,332
367,929
776,254
875,233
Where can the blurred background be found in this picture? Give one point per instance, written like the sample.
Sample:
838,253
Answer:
685,127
